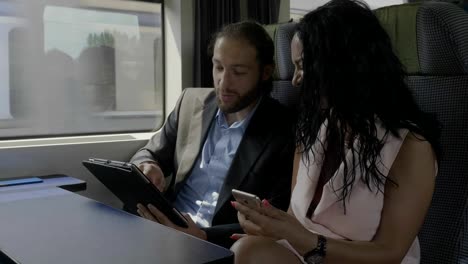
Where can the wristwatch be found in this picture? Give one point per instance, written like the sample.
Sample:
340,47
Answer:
316,255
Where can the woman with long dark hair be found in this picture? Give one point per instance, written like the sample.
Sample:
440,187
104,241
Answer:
366,154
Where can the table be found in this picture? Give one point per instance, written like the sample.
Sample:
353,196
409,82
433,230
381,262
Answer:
49,225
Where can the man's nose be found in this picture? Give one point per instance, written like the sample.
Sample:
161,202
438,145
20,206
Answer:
225,80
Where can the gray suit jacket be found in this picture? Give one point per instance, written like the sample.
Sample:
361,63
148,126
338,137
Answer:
262,164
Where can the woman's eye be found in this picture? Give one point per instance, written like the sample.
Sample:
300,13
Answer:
299,65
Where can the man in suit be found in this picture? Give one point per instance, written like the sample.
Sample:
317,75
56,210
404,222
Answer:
234,136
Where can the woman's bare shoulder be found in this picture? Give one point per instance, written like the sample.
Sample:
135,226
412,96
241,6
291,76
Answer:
416,157
416,142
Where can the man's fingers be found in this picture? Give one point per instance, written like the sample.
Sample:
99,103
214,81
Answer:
154,174
143,212
160,216
188,218
152,213
160,186
158,182
144,168
141,167
157,179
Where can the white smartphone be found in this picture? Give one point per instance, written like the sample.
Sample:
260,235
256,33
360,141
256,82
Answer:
247,199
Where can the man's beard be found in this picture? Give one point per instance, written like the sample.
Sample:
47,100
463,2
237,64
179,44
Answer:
242,102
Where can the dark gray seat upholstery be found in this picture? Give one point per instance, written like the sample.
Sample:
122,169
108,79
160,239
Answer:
438,78
442,31
283,90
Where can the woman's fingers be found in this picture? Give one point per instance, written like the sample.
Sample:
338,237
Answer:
266,209
260,214
250,216
270,210
237,236
252,228
248,226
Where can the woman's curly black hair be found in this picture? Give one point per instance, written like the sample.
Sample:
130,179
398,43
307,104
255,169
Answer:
353,78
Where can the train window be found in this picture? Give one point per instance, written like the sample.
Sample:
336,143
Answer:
299,8
74,67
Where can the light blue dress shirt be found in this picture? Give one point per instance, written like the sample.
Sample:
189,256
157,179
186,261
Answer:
199,195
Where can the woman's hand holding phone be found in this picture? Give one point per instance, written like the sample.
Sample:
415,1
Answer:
247,199
274,223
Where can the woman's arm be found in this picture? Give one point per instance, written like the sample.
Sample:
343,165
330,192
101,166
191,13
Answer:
297,159
405,207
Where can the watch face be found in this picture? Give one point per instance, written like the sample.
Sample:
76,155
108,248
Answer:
314,259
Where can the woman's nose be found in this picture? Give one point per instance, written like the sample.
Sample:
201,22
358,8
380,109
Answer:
297,79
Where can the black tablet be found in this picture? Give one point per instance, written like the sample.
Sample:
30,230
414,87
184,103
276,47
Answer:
131,186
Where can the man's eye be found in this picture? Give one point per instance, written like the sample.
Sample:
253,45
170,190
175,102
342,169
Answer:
239,73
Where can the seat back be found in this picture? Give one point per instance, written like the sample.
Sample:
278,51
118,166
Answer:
283,90
431,39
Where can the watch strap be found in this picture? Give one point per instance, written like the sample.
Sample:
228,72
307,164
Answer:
316,255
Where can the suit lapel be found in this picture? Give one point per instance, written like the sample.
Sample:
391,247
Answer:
251,147
199,126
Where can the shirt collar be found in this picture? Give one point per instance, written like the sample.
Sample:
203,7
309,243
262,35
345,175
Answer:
242,124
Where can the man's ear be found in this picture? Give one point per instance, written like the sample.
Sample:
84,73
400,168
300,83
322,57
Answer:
268,71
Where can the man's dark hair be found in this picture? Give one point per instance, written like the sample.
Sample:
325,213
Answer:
254,34
348,62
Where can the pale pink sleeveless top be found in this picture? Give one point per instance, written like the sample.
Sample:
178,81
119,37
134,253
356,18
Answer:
363,208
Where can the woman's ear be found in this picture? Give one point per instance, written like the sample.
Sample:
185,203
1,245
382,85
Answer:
268,71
